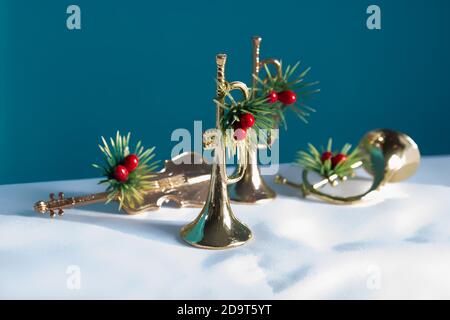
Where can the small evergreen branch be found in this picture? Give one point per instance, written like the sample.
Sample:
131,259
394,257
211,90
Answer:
289,81
325,163
265,115
130,192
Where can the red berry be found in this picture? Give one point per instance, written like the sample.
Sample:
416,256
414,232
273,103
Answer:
338,159
240,134
131,162
287,97
326,155
247,120
272,97
121,173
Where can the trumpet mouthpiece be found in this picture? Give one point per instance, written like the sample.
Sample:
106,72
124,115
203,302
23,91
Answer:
221,58
257,39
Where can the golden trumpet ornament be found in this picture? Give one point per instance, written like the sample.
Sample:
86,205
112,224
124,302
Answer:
216,227
387,155
252,188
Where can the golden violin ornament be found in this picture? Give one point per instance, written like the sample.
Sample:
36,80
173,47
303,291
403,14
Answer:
216,227
184,181
387,155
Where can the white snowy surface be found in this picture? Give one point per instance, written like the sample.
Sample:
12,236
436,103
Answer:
397,246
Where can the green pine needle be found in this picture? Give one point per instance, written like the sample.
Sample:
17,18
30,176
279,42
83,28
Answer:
288,81
264,112
131,192
312,160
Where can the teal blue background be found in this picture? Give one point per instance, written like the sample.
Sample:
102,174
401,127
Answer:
148,67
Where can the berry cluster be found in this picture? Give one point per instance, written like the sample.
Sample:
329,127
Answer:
329,162
240,127
247,120
286,97
122,171
335,159
127,173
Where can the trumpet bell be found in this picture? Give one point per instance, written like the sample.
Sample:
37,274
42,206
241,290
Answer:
209,234
216,227
251,188
389,155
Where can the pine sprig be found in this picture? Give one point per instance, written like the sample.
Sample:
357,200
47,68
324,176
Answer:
130,192
290,80
312,160
264,113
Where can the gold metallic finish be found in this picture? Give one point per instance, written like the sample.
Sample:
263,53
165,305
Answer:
183,181
256,65
252,188
333,180
216,227
389,156
274,62
60,203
